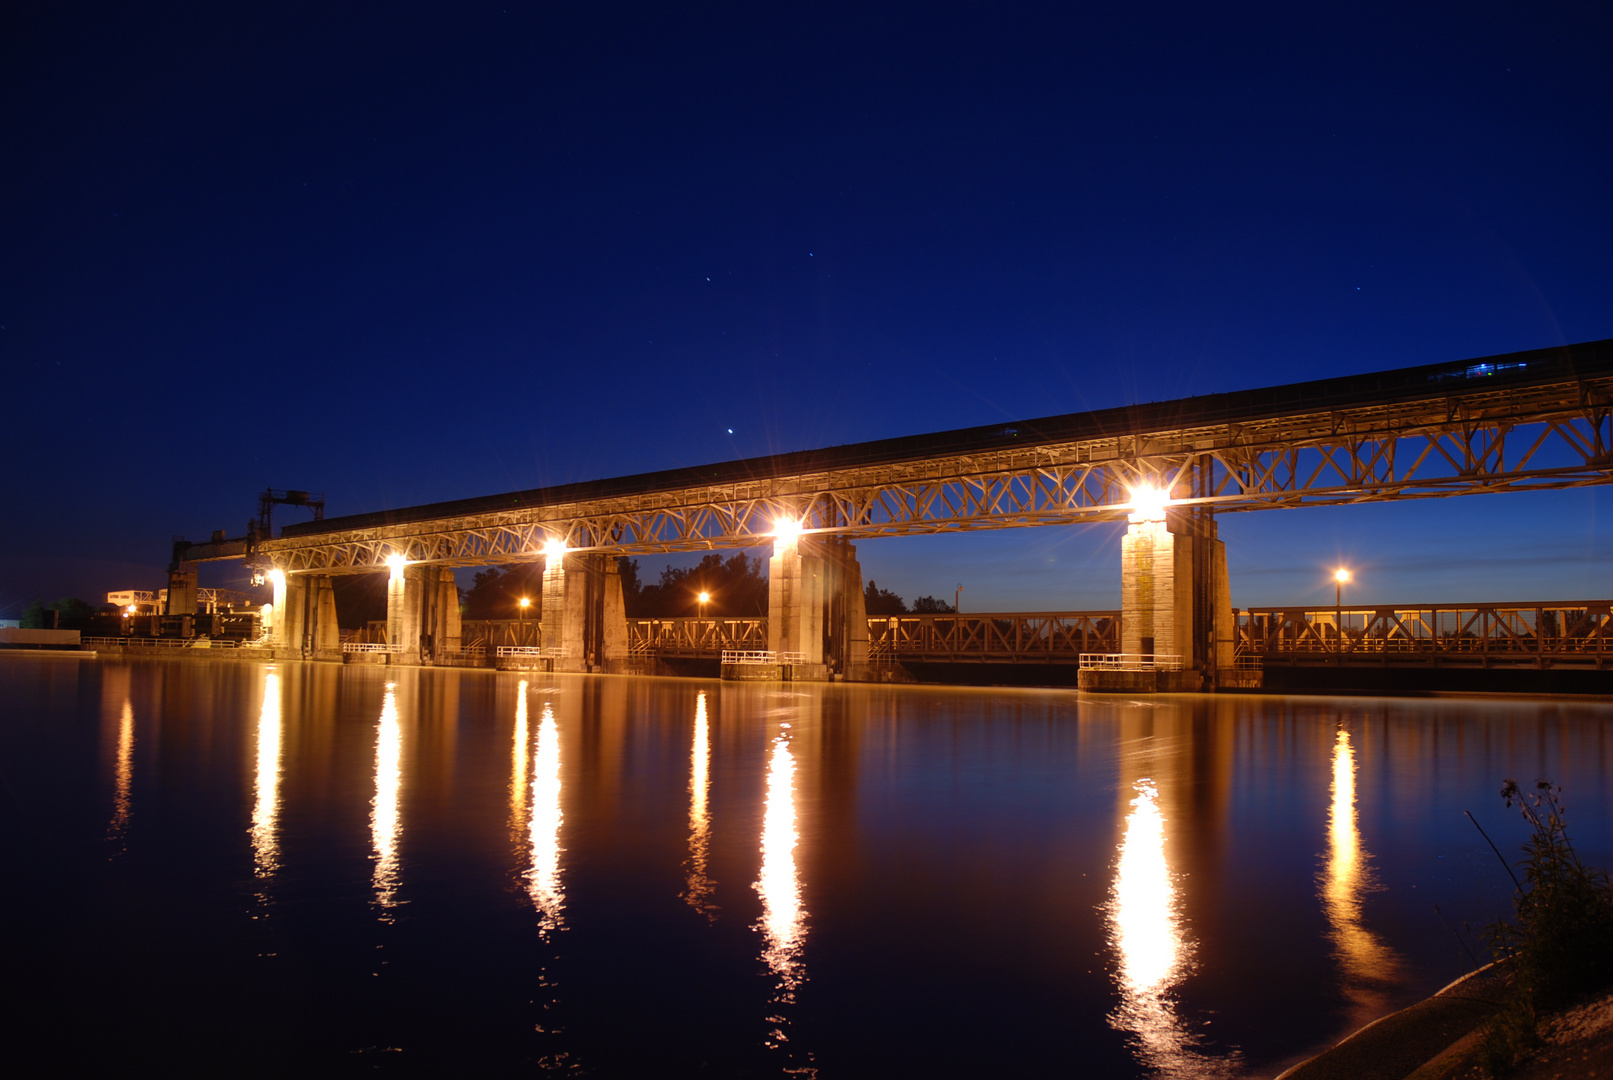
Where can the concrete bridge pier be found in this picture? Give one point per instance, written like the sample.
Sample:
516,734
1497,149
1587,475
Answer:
815,607
1175,603
422,613
181,589
584,619
305,614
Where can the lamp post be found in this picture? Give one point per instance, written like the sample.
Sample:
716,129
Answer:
525,603
1340,576
957,601
705,596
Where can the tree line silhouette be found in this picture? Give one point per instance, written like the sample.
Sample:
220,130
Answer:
737,586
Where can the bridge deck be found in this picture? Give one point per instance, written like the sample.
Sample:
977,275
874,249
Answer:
1529,420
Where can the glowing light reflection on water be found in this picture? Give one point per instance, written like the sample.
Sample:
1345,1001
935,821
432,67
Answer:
698,886
124,775
266,808
519,750
384,822
1368,968
1146,931
544,883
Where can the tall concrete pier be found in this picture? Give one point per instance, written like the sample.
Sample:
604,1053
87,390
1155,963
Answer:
815,606
310,621
422,612
1176,623
584,619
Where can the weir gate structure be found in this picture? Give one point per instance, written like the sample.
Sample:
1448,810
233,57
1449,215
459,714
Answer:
1523,421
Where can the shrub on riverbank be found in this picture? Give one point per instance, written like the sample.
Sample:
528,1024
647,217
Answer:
1560,946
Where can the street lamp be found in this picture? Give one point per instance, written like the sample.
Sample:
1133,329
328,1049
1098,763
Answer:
704,596
525,603
1340,576
957,601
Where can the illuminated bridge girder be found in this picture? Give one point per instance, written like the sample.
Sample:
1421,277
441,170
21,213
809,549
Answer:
1465,434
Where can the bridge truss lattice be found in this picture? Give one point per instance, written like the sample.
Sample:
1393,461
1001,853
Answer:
1436,432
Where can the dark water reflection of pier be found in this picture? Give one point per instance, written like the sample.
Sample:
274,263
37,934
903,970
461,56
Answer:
634,875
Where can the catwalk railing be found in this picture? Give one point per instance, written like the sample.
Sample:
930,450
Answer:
1573,633
1576,633
1048,637
695,637
1542,634
1028,637
1525,421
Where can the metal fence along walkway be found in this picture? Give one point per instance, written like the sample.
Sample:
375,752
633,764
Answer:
1575,633
1561,634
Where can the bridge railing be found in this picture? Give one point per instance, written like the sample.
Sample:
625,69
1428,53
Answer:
1051,636
1558,632
495,632
550,652
137,642
1132,661
1047,636
761,656
695,636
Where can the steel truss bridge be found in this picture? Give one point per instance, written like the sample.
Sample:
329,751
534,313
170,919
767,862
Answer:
1557,634
1520,422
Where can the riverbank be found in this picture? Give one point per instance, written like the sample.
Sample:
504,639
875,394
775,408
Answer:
1441,1038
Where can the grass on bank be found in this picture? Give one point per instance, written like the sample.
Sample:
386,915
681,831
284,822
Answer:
1559,945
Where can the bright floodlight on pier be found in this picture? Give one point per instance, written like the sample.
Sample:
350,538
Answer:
396,563
277,576
1148,503
131,610
786,530
554,549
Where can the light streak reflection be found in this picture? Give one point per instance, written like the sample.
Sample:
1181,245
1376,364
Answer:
1368,968
123,776
518,759
699,885
1147,932
266,811
544,883
783,923
384,824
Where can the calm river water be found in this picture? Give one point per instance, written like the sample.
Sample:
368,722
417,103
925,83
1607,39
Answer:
243,869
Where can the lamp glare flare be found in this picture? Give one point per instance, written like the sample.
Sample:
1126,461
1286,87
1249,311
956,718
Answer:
786,531
1148,503
554,549
396,563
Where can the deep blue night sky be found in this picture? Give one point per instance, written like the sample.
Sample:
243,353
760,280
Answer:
409,255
